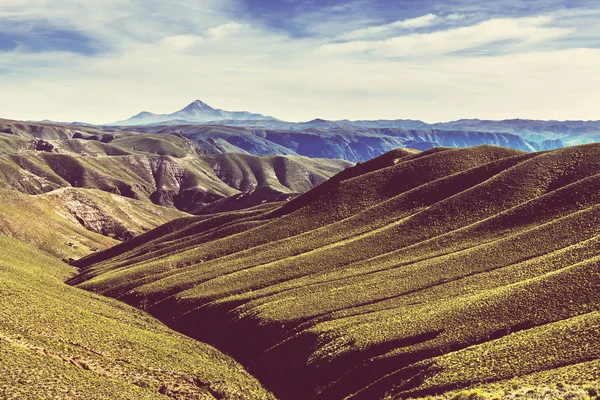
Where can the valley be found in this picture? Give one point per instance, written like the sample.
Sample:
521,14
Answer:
299,200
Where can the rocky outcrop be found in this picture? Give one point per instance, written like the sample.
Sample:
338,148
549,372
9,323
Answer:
42,145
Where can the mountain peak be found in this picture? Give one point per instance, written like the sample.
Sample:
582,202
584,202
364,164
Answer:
197,105
197,112
144,114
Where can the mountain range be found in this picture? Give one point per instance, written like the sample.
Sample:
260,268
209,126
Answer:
166,169
351,144
570,133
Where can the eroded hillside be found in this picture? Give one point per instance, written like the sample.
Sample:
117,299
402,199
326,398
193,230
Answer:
167,170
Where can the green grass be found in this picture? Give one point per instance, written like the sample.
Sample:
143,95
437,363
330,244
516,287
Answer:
61,342
414,275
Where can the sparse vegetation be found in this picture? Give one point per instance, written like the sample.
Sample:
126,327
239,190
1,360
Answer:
61,342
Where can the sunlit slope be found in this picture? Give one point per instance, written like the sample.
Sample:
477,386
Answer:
36,220
109,214
61,342
412,275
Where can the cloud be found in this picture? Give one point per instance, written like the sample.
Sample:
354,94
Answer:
181,42
225,30
413,23
522,31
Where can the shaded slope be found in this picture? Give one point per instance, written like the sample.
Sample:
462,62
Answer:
390,278
60,342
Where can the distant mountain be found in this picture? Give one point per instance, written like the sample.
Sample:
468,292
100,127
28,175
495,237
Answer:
315,139
195,112
570,133
321,140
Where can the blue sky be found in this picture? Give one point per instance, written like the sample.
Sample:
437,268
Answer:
434,60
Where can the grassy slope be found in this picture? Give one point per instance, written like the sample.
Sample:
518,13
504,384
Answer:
411,275
61,342
35,220
70,223
109,214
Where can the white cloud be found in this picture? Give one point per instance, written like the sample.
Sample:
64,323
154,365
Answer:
419,22
225,30
524,31
181,42
456,17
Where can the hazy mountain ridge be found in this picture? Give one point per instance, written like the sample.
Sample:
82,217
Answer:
352,144
316,139
410,275
570,132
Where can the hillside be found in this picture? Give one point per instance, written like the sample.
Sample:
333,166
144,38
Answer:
70,223
59,342
167,170
44,223
415,274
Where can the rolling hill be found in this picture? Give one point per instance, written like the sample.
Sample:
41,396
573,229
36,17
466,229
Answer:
450,272
59,342
167,170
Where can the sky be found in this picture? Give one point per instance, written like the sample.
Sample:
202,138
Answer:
433,60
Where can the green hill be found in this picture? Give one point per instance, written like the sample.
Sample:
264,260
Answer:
61,342
413,275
